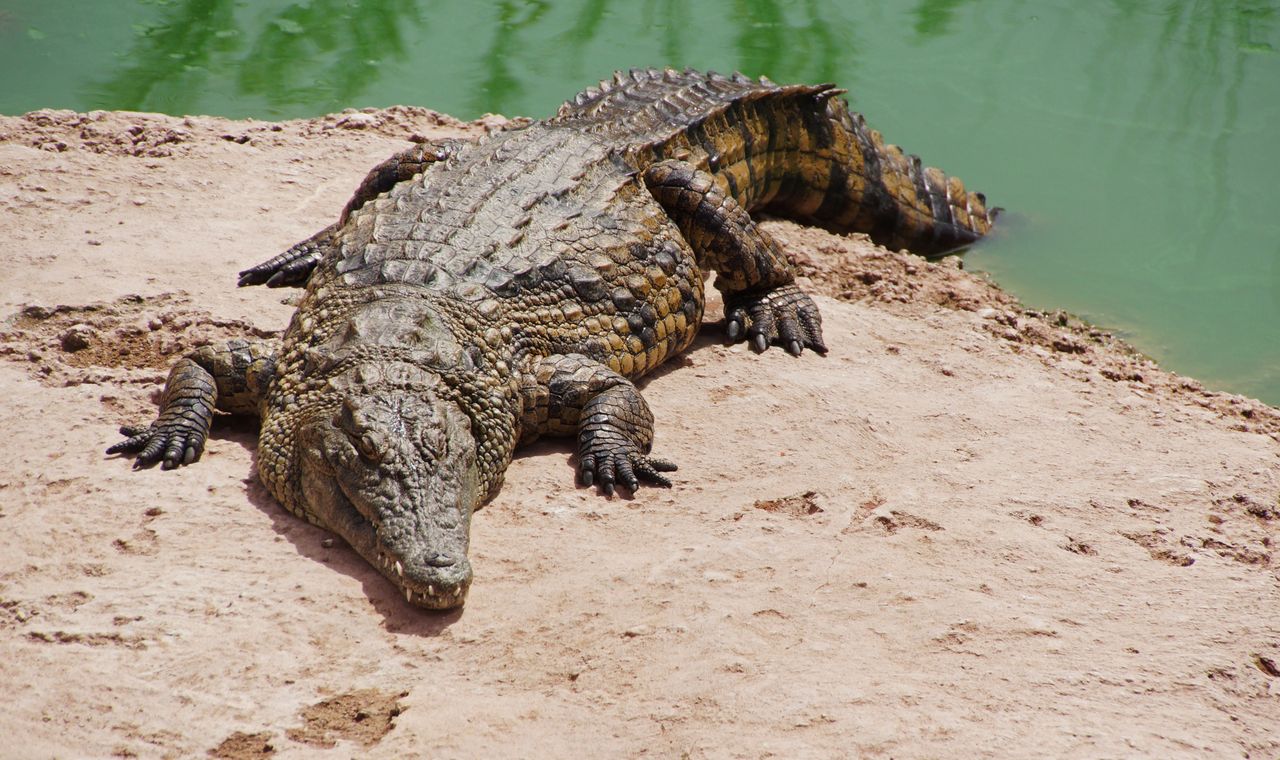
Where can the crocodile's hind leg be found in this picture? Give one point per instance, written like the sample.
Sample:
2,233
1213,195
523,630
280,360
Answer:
761,299
293,267
572,394
231,377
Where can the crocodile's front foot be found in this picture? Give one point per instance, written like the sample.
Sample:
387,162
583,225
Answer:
608,457
171,440
177,437
784,315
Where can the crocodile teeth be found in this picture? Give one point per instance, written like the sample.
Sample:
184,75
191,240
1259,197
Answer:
431,590
408,595
399,569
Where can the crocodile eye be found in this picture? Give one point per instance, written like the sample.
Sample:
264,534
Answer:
369,447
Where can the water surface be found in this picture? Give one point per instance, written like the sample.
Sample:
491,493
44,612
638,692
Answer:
1135,143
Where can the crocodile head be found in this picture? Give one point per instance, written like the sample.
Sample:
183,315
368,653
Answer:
394,473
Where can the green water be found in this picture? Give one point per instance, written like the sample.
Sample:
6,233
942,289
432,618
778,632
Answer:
1135,143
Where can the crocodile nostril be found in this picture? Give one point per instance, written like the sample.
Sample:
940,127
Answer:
441,560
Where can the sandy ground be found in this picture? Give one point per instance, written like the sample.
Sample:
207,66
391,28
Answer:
972,530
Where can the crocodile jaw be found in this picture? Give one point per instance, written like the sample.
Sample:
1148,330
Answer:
439,591
420,582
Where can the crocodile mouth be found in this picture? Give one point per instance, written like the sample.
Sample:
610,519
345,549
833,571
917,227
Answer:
427,577
431,578
441,586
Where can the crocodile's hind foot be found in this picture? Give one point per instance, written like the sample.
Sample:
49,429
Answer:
762,301
784,315
293,267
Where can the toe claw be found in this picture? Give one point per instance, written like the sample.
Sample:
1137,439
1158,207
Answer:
734,331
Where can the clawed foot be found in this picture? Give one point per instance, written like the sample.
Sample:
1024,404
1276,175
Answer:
784,315
611,459
293,267
169,442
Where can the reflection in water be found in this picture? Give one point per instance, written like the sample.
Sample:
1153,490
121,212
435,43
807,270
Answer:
326,51
586,25
673,17
172,56
303,57
1163,130
1187,108
317,53
499,84
769,43
934,17
759,37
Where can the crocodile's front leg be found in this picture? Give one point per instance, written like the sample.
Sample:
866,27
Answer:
761,299
232,377
293,267
573,394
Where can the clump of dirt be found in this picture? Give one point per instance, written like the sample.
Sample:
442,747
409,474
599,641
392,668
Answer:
891,521
120,340
14,613
87,639
1158,547
99,132
800,505
395,122
363,717
239,746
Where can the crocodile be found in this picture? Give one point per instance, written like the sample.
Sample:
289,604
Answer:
474,296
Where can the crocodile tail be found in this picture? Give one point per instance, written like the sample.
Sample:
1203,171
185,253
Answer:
857,182
795,150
